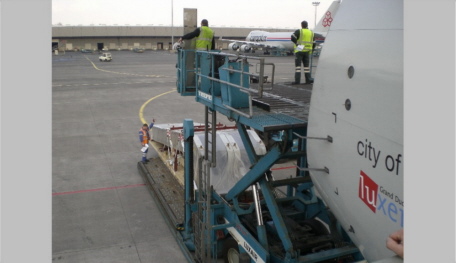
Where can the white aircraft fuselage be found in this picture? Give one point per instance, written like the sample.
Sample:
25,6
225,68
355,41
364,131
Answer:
280,40
357,99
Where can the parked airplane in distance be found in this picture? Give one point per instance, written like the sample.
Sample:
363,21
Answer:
278,41
281,41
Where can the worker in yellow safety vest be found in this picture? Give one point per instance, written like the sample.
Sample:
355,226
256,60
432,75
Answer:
204,37
303,45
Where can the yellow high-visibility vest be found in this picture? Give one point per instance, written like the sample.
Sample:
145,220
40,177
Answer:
204,40
306,39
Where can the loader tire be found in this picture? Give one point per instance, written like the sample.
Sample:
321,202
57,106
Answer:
230,251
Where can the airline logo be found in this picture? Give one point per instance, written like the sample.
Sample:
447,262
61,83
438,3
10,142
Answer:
381,201
264,38
258,38
327,20
368,191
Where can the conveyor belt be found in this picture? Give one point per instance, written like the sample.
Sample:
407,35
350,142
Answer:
286,99
168,194
165,187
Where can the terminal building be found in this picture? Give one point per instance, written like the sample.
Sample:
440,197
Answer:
76,38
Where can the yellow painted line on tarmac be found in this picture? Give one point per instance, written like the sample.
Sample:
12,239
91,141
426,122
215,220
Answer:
122,73
147,102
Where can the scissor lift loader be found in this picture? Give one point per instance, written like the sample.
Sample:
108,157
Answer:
254,221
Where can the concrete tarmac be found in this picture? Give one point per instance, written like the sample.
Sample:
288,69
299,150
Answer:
101,209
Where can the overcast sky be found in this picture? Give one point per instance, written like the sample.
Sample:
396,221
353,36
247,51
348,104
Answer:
230,13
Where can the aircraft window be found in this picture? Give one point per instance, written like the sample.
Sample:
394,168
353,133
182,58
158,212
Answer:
351,71
348,104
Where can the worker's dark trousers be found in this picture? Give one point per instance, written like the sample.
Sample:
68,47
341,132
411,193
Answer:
304,58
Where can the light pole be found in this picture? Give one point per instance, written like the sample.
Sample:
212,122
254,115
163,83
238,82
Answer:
315,4
172,24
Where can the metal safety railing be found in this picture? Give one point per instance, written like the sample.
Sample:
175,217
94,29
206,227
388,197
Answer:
221,79
262,73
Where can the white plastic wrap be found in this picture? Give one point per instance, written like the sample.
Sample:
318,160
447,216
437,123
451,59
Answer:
232,162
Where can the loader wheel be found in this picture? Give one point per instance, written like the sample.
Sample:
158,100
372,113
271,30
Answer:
230,251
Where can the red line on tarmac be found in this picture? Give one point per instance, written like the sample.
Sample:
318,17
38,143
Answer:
134,185
98,189
283,168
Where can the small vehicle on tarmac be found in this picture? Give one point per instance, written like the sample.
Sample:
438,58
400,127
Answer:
105,57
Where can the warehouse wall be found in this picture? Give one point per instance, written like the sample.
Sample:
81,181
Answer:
68,38
69,44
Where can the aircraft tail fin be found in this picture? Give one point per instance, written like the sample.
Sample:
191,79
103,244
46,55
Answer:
325,22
